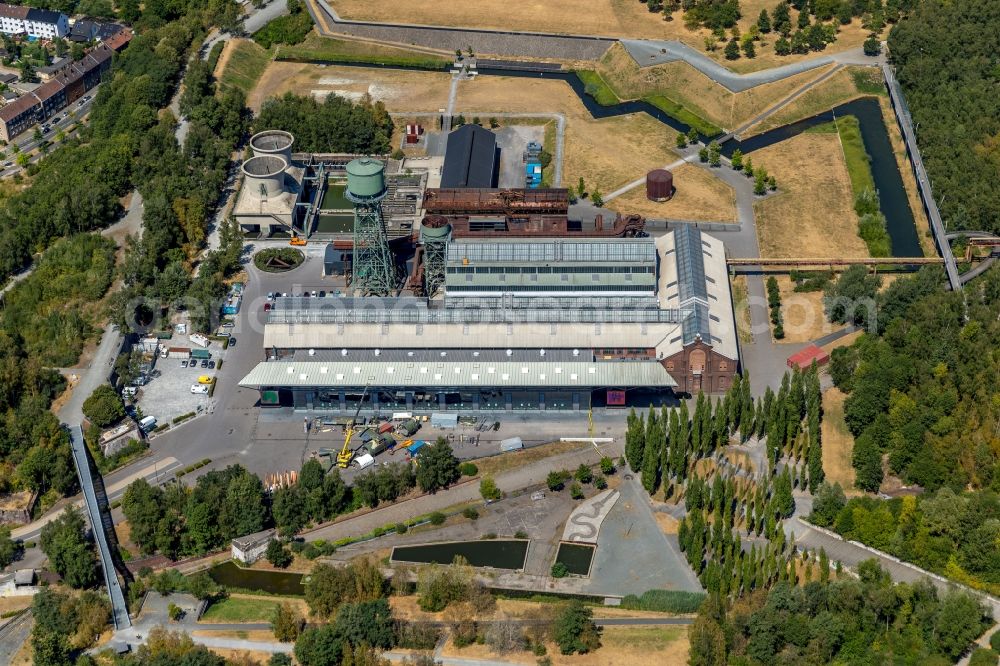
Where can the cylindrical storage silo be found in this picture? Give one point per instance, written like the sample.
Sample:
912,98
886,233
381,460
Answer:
435,227
365,180
273,142
265,175
659,185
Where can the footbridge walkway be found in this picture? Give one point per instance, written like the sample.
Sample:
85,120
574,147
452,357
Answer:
99,514
923,180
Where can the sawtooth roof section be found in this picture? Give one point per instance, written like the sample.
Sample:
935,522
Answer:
447,374
624,250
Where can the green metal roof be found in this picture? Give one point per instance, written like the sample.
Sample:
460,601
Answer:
425,374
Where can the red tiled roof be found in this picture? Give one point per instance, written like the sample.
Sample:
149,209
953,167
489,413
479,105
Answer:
804,357
14,11
119,39
48,89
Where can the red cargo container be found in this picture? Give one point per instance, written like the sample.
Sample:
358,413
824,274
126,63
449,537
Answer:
384,428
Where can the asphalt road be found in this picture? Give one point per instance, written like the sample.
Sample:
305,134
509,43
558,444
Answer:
26,142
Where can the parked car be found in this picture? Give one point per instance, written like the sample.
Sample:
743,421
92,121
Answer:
204,363
205,379
322,294
184,364
270,295
312,293
232,341
267,306
199,388
227,324
211,365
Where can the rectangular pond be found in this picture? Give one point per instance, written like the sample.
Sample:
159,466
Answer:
231,575
334,199
334,224
576,556
497,553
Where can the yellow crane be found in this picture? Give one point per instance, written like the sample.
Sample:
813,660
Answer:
346,455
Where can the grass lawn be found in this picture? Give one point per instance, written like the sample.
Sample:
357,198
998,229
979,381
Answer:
802,312
498,464
241,608
742,308
858,162
244,65
812,214
597,87
700,195
678,112
838,443
836,90
316,47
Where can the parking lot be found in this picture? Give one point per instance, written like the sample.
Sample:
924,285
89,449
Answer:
168,393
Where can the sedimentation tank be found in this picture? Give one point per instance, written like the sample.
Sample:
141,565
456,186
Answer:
265,175
273,142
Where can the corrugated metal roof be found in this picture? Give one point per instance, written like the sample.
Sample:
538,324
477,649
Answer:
451,374
622,250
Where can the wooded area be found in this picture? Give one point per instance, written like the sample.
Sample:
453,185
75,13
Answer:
335,125
921,384
945,57
868,620
955,535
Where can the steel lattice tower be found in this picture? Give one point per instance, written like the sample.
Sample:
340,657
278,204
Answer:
434,235
373,267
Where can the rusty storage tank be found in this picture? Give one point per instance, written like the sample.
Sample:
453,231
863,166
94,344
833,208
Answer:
659,185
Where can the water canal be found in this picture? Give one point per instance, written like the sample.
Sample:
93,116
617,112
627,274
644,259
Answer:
885,171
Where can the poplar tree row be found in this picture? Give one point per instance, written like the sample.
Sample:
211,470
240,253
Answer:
663,445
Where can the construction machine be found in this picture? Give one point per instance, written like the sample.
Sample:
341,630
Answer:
297,240
346,455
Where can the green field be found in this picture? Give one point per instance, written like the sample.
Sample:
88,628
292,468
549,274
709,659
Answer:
858,161
317,48
241,609
246,64
871,230
678,112
597,87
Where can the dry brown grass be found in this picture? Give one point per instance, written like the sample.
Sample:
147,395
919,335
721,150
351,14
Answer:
399,90
227,52
838,443
803,313
668,524
689,87
607,153
838,89
498,464
10,604
699,196
612,18
811,215
262,635
620,646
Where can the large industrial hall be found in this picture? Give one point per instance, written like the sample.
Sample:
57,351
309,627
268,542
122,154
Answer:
504,306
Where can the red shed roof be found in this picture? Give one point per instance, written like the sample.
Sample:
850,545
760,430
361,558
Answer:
803,358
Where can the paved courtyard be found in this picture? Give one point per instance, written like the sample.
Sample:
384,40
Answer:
168,393
633,554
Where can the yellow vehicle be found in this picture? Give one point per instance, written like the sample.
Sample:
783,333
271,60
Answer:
346,455
296,240
204,379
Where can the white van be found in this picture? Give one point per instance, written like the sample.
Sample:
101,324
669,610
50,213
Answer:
147,423
199,388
